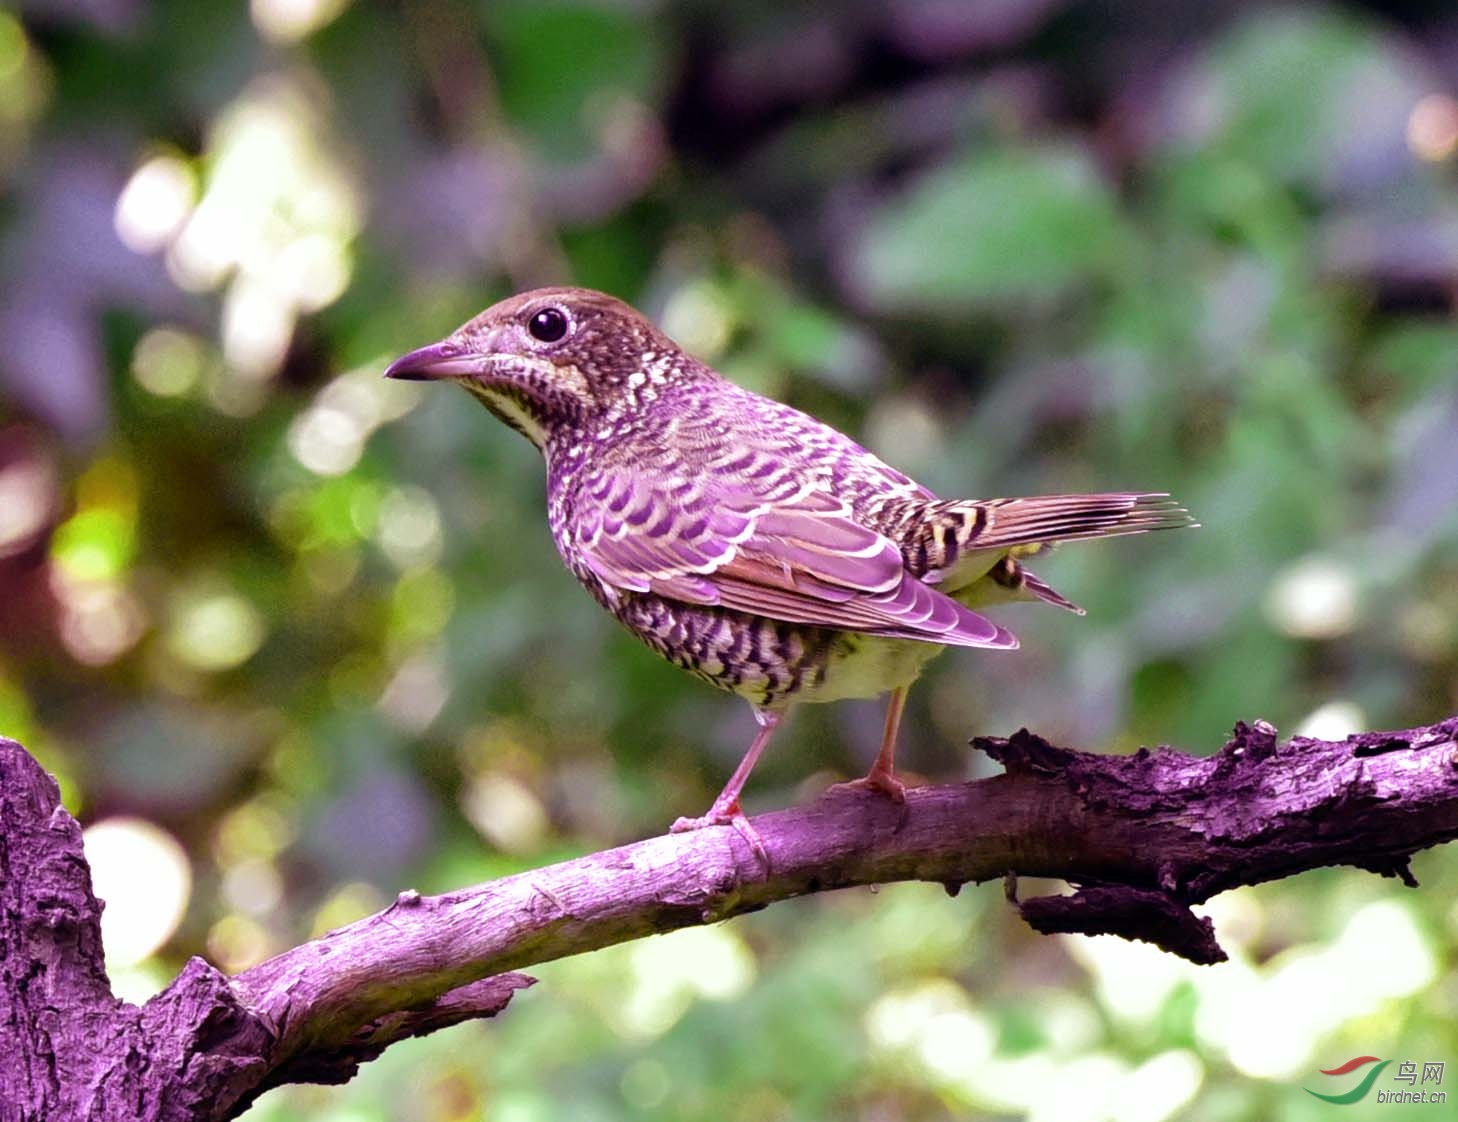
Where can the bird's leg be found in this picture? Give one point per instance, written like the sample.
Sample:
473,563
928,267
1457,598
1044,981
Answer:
726,810
882,775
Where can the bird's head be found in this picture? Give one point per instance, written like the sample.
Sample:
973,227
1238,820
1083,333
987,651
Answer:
553,360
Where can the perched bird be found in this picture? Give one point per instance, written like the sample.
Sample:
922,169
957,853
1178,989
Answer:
746,542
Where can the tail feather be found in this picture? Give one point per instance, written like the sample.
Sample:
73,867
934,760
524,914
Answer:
1008,523
1039,589
957,542
1009,581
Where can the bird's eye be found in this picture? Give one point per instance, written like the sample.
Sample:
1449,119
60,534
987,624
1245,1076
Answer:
548,325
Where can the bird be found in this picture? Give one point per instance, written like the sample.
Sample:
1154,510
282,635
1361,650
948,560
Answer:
758,548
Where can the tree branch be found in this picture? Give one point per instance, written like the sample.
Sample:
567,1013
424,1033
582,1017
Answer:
1142,836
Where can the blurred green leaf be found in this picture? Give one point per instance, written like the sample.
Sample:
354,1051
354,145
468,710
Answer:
563,62
993,230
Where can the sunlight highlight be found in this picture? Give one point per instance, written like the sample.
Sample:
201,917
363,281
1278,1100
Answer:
1336,720
699,317
1271,1021
671,972
214,630
100,619
1316,598
934,1021
410,532
506,812
935,1024
329,437
276,217
154,204
143,875
168,362
237,942
27,497
288,21
1432,128
1131,983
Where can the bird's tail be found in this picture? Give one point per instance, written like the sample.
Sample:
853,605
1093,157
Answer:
956,542
1048,519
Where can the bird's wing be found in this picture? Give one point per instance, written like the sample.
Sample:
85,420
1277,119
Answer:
799,556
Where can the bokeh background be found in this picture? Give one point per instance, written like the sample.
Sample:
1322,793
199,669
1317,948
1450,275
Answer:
294,638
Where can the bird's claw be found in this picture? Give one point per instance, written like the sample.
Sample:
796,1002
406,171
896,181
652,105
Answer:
727,816
882,781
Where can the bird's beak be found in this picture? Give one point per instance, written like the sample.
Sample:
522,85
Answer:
439,360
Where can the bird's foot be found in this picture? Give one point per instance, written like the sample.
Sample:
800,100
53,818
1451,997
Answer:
879,779
881,782
727,815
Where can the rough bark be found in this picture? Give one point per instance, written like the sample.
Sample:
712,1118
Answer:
1142,837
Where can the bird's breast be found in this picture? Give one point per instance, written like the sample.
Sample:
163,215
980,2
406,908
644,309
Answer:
770,662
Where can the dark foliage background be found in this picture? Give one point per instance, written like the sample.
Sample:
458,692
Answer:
295,638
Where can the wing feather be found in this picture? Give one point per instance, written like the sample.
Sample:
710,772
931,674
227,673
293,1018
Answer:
802,558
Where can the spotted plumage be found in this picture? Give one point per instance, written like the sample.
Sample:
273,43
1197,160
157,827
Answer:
746,542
